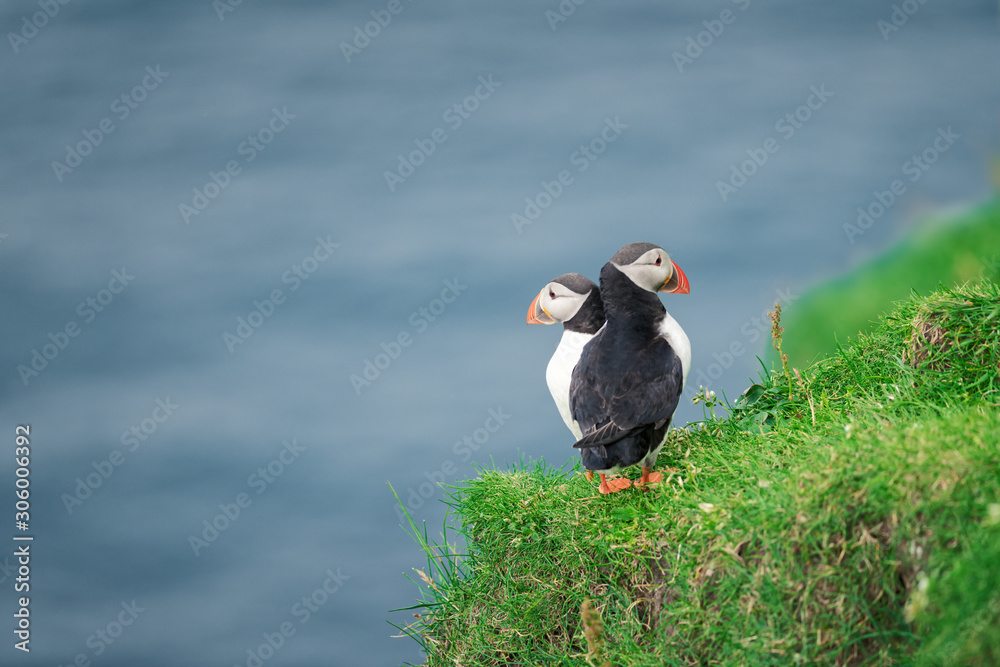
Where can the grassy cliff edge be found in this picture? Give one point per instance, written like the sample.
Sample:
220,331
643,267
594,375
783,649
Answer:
957,249
847,514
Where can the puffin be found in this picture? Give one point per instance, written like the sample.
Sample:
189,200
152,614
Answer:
575,301
628,381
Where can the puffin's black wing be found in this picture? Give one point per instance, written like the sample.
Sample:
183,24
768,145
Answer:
610,403
649,393
605,435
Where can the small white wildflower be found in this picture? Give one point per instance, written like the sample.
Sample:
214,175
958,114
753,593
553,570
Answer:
918,600
993,517
847,429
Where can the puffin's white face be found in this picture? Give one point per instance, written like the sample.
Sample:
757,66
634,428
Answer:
654,271
555,303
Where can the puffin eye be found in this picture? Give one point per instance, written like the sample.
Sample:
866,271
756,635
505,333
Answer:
659,260
552,294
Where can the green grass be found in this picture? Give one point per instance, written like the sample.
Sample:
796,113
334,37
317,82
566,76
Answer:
849,517
964,249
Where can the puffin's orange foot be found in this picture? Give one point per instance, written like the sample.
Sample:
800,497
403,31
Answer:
649,478
614,486
590,475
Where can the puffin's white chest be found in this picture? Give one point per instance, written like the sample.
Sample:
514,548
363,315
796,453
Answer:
559,373
672,332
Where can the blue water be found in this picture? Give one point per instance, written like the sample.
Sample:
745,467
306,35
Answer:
320,502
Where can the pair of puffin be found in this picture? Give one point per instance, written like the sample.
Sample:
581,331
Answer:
618,372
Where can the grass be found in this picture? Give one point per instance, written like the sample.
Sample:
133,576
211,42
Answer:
961,250
844,514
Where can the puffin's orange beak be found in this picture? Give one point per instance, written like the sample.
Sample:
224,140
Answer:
536,314
678,283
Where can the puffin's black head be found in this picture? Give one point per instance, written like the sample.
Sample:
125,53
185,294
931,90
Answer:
650,268
571,299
